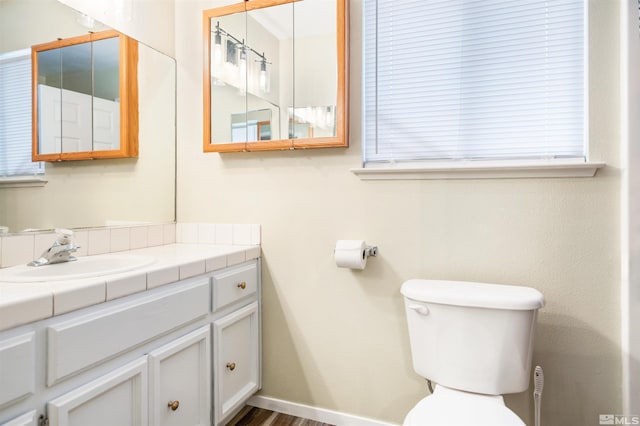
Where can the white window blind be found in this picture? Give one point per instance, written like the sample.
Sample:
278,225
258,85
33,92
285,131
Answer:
15,115
473,80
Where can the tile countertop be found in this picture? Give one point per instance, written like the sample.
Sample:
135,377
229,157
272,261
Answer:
21,303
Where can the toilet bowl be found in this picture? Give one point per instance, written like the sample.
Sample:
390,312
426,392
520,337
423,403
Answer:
450,407
475,341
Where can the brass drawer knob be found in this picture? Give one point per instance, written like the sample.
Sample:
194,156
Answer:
173,405
242,285
231,366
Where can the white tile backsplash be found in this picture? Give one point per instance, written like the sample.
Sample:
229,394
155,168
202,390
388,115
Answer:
42,242
255,234
224,234
81,238
99,241
207,233
169,233
21,249
17,249
154,236
120,239
241,234
138,237
187,233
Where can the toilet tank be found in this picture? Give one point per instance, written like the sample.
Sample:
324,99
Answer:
471,336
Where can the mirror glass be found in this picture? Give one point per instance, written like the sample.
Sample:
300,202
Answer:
87,92
93,193
256,125
78,93
270,30
284,58
316,70
106,94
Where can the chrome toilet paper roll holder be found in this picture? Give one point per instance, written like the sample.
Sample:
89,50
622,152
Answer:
371,251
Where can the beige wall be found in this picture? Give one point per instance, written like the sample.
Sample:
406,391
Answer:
337,339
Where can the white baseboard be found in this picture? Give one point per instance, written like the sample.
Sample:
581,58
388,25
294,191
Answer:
313,413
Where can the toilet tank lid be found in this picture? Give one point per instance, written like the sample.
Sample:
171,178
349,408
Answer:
480,295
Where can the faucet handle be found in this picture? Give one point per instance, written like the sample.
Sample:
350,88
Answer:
64,235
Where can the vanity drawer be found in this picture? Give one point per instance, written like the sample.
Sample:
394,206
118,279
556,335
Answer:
234,284
84,341
17,367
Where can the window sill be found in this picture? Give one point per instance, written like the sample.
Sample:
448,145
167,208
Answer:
480,170
22,182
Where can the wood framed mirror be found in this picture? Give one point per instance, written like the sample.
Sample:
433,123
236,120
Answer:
275,75
85,97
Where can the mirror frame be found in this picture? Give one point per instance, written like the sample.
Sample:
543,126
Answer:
128,75
340,140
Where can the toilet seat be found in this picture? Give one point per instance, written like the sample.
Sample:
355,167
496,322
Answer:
450,407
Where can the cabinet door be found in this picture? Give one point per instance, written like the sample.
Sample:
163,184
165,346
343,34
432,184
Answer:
118,398
180,381
17,368
28,419
235,360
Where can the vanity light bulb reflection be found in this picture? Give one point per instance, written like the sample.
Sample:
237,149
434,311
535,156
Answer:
263,77
217,50
242,71
263,81
329,118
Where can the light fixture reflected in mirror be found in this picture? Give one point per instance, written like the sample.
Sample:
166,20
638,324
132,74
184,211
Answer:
264,77
242,67
217,46
235,68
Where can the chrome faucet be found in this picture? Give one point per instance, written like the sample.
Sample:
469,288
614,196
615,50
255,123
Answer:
59,252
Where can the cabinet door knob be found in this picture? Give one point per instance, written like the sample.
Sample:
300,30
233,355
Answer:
173,405
231,366
242,285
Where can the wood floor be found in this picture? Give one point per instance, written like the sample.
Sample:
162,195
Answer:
252,416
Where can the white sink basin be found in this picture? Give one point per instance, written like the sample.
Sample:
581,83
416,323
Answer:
84,267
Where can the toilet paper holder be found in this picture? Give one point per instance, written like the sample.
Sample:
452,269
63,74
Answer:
353,254
371,251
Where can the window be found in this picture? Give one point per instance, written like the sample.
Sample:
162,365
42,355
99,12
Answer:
473,80
15,115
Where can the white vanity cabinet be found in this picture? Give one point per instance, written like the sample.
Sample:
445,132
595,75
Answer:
236,335
180,381
117,398
28,419
184,354
235,360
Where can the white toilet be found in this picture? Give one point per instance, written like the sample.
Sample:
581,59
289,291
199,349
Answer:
475,341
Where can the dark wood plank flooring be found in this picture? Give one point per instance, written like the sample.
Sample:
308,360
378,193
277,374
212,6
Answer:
252,416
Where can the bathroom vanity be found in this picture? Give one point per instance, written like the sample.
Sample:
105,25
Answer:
185,350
